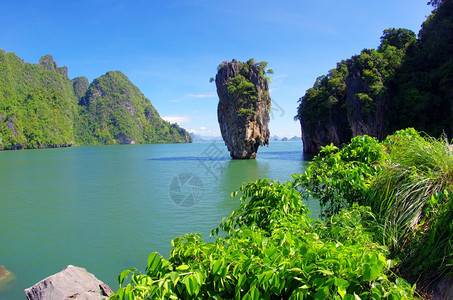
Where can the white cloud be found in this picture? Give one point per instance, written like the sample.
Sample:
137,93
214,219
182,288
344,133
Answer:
204,131
176,119
191,96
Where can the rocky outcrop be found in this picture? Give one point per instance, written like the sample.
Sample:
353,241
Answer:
6,277
48,63
364,117
11,126
334,130
351,100
243,109
71,283
405,82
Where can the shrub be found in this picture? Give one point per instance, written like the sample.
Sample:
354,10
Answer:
272,250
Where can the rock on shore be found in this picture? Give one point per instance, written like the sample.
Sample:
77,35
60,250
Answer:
71,283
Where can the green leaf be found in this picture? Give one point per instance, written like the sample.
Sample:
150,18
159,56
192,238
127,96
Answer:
254,293
174,276
216,266
154,262
371,272
182,268
322,293
295,270
124,275
191,285
241,280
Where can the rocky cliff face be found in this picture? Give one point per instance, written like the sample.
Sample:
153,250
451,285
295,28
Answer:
243,109
405,82
350,100
366,110
334,130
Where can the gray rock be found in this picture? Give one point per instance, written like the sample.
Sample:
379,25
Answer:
71,283
443,289
243,109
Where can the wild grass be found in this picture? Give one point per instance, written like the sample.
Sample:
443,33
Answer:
412,197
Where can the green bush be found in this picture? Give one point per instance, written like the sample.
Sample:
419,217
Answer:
340,177
407,182
272,250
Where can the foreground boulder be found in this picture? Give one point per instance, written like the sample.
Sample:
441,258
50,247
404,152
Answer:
244,105
71,283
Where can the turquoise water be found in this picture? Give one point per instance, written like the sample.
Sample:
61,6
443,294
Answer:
105,208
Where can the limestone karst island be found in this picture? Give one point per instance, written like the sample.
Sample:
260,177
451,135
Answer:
244,104
42,108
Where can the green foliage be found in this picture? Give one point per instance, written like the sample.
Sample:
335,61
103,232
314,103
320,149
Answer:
424,82
40,107
339,178
400,38
435,3
431,254
272,250
37,104
412,197
240,88
80,85
407,181
243,90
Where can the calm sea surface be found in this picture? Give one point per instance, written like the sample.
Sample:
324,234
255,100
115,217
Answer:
106,208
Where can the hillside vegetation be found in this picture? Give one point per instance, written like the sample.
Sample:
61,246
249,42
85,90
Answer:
41,107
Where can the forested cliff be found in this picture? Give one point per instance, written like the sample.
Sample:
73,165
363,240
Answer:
41,107
406,82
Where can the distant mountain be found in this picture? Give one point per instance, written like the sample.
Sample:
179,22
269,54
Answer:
205,139
275,138
41,107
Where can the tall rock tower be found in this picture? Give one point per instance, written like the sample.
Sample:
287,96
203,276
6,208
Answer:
244,105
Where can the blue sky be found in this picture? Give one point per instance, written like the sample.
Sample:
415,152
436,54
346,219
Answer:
170,49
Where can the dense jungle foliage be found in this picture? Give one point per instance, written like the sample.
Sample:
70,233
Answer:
387,215
406,82
40,107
